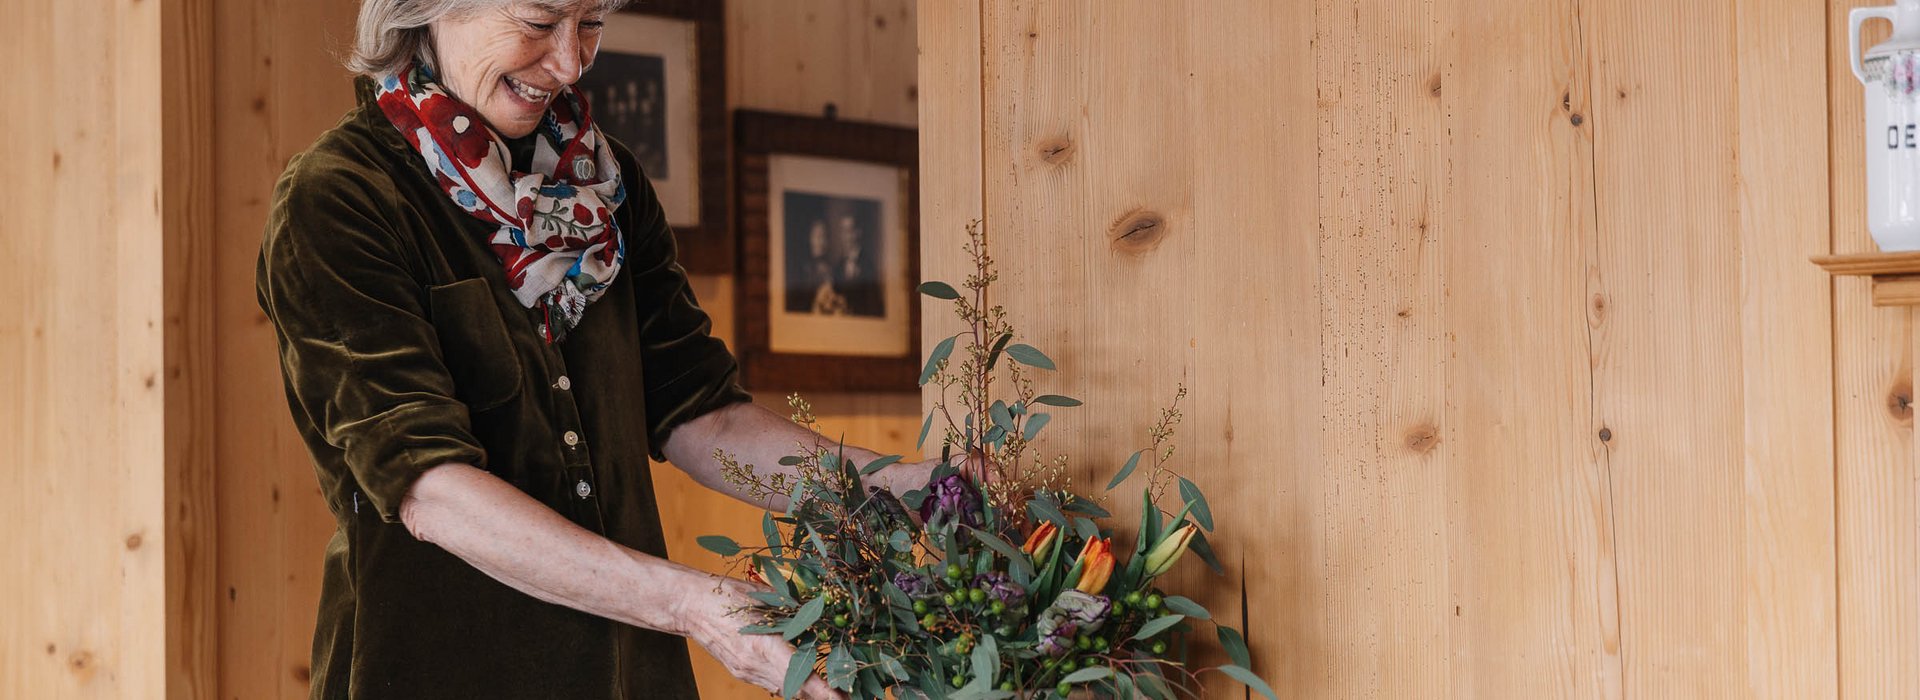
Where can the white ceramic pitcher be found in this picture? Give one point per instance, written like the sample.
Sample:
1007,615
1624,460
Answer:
1891,73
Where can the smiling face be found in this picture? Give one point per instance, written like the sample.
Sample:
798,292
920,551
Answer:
508,62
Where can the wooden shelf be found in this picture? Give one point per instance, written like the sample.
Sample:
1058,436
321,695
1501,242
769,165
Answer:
1896,276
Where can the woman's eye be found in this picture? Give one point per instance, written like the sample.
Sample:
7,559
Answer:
595,26
541,26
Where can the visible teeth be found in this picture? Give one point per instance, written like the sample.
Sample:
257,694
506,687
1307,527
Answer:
527,91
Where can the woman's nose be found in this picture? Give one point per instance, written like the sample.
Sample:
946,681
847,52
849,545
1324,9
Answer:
564,59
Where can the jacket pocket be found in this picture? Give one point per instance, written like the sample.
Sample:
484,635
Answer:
474,343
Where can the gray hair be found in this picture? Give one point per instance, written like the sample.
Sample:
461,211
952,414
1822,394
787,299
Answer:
391,33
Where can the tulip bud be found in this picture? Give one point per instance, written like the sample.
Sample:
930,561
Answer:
1168,551
1096,562
1040,543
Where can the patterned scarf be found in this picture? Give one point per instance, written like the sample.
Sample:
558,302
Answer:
557,238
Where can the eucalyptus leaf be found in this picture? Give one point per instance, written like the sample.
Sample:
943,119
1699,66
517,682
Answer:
1088,674
1151,685
772,533
1251,681
771,599
1044,509
1057,400
719,544
798,669
841,668
939,290
925,426
1002,418
993,356
803,619
791,461
900,541
1201,513
1187,607
1085,528
986,661
893,667
1158,625
1035,423
879,464
1085,507
940,352
1030,356
1235,645
1126,471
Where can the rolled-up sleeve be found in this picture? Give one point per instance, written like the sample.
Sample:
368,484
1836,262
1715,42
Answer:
688,372
361,361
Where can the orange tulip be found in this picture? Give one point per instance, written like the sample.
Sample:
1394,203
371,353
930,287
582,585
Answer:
1041,541
1096,565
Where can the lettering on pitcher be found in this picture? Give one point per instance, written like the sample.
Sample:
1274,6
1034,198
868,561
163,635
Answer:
1901,137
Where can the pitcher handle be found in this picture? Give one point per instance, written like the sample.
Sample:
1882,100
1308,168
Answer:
1854,19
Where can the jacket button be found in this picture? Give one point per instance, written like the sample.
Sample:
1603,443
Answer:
583,489
563,383
571,438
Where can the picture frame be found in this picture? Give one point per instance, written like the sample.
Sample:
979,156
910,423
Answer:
829,217
658,86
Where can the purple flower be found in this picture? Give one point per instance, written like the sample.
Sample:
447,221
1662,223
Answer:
1001,587
1073,613
916,585
952,499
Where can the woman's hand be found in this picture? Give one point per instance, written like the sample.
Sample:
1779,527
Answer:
711,618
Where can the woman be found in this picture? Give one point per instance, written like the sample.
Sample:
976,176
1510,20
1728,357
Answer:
484,335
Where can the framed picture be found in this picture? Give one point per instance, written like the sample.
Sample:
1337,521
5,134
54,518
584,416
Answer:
830,254
658,86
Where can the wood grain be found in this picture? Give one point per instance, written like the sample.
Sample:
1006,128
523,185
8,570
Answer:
1877,523
1786,331
101,488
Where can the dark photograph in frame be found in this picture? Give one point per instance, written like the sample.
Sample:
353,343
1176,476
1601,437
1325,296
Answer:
829,217
658,86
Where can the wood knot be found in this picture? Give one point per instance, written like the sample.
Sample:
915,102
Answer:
56,160
879,21
260,105
1433,86
1566,101
1577,119
1056,151
1597,307
1422,439
134,541
1137,231
302,673
1900,401
1606,435
81,663
51,648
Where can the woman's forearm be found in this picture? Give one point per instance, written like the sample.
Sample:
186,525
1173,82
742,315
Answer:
518,541
754,435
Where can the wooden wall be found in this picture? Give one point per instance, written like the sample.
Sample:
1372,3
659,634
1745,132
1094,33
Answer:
279,86
1510,377
105,502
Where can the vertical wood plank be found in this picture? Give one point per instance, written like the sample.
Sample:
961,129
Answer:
1667,354
1383,519
1877,498
278,88
188,240
1535,607
1786,346
85,472
1252,435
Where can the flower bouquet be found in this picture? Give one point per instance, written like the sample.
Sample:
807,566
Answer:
1007,585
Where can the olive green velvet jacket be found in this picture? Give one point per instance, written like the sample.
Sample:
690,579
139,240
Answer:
402,349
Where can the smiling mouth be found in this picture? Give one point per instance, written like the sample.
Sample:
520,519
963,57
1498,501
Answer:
528,92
